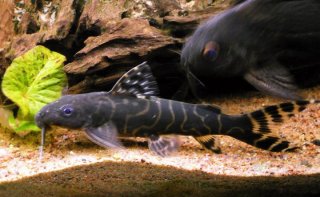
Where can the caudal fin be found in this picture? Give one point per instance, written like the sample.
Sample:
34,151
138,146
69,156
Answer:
258,128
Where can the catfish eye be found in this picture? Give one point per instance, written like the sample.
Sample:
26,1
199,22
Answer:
211,50
67,110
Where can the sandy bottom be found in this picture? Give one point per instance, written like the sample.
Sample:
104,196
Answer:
72,163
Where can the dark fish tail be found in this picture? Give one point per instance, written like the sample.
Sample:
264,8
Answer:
258,128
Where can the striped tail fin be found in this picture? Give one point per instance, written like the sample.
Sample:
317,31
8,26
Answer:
257,128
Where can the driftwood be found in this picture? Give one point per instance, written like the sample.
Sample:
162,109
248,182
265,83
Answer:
6,30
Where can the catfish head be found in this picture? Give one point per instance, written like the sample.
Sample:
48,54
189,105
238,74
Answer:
73,111
215,50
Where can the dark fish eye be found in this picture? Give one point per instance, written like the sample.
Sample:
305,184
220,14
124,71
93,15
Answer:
211,54
67,110
211,50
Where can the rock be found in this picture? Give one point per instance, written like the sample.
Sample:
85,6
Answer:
28,24
6,33
182,26
129,42
128,37
6,25
54,24
151,8
98,15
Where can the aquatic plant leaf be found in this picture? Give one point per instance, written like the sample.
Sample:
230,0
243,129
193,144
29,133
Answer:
33,80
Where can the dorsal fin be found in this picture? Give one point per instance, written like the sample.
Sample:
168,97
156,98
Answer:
138,81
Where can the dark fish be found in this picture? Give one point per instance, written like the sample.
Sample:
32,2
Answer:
272,44
131,108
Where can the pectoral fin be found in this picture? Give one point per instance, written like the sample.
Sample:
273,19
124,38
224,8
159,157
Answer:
273,79
106,135
163,146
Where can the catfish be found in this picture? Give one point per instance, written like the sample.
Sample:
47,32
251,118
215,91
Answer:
274,45
132,109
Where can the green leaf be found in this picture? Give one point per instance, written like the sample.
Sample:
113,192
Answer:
33,80
21,125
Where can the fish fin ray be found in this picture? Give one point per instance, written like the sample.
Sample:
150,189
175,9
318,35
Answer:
209,142
105,135
163,145
261,125
275,80
138,81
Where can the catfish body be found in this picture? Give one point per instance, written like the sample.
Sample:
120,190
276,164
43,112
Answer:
133,116
137,116
131,109
270,43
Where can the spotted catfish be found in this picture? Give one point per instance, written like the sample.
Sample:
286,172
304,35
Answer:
132,109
